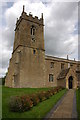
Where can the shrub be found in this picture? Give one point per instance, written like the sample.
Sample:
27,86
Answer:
41,96
53,91
50,92
3,81
15,104
19,104
56,89
48,95
59,88
35,99
26,103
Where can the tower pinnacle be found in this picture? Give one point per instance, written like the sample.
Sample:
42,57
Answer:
23,7
42,15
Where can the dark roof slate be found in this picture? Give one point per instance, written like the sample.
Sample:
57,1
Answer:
63,74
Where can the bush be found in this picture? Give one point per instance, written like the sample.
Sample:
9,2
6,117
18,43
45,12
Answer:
56,89
19,104
48,94
41,96
59,88
26,103
15,104
3,81
35,99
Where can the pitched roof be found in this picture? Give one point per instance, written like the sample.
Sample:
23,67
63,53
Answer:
63,74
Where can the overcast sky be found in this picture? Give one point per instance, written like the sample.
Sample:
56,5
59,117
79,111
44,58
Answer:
60,31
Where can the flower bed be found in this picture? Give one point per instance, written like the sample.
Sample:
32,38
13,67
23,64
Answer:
35,99
24,103
20,104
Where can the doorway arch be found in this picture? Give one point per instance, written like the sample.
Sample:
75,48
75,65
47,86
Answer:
70,82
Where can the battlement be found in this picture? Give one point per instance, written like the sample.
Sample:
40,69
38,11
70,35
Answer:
29,18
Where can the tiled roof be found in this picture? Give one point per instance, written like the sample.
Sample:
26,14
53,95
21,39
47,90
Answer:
63,74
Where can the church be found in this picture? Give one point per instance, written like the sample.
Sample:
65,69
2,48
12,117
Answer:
29,67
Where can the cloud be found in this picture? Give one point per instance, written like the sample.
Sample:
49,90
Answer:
59,28
60,19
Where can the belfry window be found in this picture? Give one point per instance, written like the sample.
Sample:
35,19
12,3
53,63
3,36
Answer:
32,30
50,77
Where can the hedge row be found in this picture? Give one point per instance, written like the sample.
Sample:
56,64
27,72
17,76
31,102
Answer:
24,103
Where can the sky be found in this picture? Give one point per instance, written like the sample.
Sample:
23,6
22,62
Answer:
60,30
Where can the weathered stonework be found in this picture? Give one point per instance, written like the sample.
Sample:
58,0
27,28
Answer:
29,66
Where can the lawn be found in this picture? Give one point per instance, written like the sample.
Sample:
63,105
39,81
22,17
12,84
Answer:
38,111
0,101
78,102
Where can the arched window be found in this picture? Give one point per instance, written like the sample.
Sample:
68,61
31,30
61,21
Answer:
32,30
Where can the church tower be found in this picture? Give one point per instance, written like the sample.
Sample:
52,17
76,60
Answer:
27,65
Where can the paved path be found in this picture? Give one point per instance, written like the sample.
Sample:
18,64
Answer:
66,109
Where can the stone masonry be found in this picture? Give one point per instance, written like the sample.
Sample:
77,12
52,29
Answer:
30,67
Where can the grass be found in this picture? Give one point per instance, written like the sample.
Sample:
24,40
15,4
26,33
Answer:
0,101
38,111
78,102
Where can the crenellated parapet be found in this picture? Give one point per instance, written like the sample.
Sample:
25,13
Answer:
29,18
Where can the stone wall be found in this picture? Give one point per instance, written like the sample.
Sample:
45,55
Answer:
32,68
55,71
29,66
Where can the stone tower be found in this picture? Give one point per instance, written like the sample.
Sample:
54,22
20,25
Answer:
27,65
